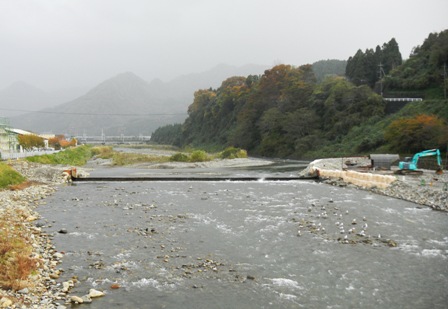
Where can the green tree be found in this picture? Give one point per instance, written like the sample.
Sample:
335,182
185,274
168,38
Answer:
356,68
329,68
424,69
363,67
169,135
390,56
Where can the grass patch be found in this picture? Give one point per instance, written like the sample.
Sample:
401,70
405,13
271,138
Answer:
150,146
9,176
125,158
202,156
103,152
194,156
77,156
121,158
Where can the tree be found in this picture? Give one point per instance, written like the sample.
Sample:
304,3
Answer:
356,68
391,56
425,67
59,141
414,134
30,141
363,68
170,134
333,67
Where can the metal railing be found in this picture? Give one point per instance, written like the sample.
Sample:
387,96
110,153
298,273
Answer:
402,99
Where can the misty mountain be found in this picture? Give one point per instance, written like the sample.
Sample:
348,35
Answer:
184,86
127,104
114,106
21,97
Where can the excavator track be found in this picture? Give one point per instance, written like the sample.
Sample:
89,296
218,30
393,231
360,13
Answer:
408,172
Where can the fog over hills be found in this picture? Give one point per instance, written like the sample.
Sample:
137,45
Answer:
125,104
21,97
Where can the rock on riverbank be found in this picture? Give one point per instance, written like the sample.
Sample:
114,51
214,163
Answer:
428,189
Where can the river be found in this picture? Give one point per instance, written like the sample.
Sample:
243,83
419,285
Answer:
259,244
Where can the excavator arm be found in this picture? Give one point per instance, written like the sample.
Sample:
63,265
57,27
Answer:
413,163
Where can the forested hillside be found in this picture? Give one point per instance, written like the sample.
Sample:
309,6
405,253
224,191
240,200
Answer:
287,112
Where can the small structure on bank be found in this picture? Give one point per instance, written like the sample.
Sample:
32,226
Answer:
384,161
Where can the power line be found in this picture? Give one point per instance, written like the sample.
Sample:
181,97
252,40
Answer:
92,114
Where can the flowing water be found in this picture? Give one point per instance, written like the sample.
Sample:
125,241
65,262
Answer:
256,244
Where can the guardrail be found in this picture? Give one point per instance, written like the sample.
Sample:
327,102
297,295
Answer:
19,155
402,99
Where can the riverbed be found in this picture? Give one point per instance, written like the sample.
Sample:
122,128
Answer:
259,244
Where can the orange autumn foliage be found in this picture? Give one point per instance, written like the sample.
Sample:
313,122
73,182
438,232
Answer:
59,142
414,134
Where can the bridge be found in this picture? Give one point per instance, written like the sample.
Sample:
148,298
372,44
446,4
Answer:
113,139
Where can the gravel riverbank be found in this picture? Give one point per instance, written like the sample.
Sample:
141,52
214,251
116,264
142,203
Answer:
20,207
44,290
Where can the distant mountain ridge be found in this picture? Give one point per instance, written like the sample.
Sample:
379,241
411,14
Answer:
127,104
20,97
23,96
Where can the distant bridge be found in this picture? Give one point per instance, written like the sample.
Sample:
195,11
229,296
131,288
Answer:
113,139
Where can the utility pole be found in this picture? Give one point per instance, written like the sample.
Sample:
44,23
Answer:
381,72
103,136
444,79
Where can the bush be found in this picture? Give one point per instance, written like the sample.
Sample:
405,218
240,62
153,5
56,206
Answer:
104,152
199,156
233,153
9,176
179,157
121,158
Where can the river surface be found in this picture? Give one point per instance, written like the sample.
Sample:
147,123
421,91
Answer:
259,244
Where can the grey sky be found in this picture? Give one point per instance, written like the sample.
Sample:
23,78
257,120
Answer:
65,43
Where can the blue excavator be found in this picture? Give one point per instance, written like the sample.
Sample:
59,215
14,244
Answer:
410,164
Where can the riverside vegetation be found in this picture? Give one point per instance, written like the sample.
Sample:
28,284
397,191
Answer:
292,112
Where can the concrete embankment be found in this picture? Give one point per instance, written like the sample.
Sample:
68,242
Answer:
428,189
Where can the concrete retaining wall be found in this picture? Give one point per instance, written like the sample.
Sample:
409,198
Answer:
365,180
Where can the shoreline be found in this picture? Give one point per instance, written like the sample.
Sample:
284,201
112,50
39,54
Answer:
46,293
21,207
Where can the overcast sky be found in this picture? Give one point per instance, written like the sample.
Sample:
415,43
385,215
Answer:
65,43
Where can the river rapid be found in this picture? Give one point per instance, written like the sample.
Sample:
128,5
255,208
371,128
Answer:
260,244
